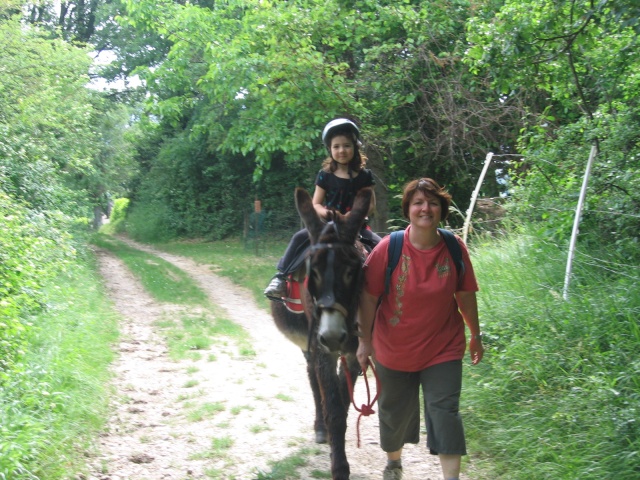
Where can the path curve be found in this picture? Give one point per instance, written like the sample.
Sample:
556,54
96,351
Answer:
265,401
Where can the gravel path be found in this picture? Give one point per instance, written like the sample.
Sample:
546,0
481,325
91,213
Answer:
225,415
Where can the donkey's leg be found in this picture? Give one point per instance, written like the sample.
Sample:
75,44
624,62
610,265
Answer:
319,426
335,413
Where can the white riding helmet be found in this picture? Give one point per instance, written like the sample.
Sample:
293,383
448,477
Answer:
340,124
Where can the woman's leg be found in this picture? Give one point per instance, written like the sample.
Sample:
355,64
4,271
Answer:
441,385
450,465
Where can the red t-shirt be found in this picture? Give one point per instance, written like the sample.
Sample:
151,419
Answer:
418,324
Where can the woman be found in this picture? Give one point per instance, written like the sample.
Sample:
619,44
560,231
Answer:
416,334
342,175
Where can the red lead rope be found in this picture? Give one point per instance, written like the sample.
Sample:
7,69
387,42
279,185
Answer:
365,409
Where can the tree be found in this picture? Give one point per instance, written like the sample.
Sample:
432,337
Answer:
574,64
269,76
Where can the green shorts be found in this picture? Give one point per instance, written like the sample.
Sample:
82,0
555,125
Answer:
399,408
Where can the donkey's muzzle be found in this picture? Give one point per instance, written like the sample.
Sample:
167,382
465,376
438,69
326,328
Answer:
332,330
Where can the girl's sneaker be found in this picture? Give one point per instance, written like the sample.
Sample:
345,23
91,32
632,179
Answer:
277,288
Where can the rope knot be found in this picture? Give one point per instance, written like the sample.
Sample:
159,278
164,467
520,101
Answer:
366,410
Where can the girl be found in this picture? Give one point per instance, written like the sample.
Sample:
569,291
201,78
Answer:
342,175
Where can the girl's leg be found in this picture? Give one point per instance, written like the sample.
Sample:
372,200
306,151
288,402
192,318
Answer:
288,264
295,250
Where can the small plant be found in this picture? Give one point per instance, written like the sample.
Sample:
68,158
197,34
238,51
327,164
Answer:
237,409
287,468
284,398
259,428
206,410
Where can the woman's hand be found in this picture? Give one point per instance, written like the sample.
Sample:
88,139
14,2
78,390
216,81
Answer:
365,350
476,349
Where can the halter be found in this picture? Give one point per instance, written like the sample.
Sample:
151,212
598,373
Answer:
327,299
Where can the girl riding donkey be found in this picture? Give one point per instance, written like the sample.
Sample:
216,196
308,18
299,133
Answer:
342,175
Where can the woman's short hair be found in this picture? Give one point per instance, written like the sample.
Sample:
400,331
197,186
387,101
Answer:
428,187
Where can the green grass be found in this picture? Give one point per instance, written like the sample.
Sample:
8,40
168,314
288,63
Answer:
55,405
217,450
231,259
287,468
204,411
196,333
164,281
558,393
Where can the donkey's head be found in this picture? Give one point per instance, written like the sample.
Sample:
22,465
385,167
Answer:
334,267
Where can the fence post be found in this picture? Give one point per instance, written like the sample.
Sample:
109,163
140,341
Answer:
576,222
474,197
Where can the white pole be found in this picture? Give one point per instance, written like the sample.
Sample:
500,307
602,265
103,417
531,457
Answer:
576,222
474,197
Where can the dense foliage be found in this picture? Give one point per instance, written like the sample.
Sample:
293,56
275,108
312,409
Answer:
558,394
252,84
574,65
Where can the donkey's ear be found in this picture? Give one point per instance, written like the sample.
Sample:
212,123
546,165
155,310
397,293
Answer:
355,218
308,214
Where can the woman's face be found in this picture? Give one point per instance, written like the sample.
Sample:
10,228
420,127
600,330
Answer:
425,211
342,149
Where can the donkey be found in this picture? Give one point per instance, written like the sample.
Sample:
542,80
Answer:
327,329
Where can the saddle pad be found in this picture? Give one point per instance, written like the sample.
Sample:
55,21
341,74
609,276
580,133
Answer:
293,300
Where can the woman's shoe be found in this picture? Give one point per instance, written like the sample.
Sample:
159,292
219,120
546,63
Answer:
392,473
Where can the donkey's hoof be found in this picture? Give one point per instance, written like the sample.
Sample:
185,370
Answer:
321,437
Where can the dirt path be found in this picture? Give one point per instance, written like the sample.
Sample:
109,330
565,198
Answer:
223,416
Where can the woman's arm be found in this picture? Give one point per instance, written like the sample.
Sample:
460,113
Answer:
468,306
366,314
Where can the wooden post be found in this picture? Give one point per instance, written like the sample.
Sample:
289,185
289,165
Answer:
257,208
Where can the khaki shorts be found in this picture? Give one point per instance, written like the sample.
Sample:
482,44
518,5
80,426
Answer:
399,408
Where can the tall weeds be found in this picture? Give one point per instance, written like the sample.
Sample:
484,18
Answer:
558,393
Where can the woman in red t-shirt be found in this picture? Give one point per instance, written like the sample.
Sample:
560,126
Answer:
416,335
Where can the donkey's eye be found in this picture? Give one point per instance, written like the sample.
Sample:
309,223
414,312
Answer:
347,275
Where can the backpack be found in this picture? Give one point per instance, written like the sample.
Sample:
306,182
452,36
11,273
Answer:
395,247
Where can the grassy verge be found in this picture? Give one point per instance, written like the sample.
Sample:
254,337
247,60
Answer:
161,279
55,405
189,333
558,393
231,258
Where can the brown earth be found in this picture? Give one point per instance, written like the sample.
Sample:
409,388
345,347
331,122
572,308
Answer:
259,405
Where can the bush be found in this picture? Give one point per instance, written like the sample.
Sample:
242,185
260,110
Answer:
34,249
117,218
